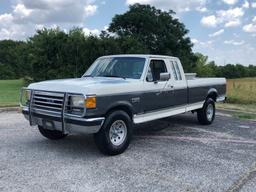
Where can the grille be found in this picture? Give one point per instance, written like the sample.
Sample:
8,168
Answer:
48,101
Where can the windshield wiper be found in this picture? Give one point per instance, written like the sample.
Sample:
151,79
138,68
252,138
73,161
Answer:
88,76
114,76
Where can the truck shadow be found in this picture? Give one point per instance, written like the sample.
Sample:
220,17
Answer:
175,123
82,146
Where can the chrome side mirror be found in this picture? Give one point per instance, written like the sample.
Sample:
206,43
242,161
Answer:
165,76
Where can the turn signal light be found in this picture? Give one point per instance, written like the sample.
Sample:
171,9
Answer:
90,102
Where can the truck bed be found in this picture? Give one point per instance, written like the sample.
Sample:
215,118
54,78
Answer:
199,88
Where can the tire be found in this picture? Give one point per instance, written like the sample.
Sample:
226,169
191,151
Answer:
115,135
206,115
51,134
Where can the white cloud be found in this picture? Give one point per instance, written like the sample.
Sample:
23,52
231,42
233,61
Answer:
230,18
202,44
251,27
202,9
254,19
53,11
233,42
209,21
27,15
194,41
253,4
90,9
5,34
233,23
6,19
231,13
13,32
217,33
246,4
230,2
39,26
91,31
176,5
243,54
21,11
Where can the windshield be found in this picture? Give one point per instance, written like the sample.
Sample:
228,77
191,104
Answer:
123,67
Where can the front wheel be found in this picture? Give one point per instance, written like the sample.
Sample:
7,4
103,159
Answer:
115,135
51,134
206,115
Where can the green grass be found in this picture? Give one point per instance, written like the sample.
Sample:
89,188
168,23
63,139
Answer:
238,107
245,116
9,92
241,111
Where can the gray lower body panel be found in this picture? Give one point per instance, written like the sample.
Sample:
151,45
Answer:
71,124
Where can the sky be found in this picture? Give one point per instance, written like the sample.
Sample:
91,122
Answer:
225,30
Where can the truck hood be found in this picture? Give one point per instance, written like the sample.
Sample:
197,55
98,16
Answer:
88,85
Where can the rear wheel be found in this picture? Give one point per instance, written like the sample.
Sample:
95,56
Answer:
115,135
206,115
51,134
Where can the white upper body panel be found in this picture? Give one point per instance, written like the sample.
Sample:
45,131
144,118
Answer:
205,82
90,85
112,85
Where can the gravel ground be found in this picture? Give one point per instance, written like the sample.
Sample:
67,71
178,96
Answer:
174,154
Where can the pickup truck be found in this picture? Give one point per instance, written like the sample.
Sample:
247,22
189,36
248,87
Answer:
116,93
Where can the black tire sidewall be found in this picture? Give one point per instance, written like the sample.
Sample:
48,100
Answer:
202,114
210,101
102,138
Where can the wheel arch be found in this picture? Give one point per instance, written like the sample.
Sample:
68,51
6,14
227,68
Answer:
123,106
212,93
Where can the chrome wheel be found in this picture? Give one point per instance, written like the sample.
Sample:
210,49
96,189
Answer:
209,112
117,132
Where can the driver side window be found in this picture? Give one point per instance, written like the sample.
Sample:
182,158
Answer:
155,68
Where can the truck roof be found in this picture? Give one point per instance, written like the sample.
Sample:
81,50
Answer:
140,55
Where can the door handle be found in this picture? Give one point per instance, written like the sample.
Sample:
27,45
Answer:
171,87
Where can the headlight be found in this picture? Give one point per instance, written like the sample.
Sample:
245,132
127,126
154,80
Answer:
25,97
77,101
27,94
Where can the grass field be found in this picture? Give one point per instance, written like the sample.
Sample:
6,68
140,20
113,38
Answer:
241,91
9,92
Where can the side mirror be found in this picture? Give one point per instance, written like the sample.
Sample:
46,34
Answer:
165,76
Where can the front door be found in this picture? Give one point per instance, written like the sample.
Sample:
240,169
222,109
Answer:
157,94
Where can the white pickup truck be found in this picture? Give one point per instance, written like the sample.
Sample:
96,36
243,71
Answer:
117,92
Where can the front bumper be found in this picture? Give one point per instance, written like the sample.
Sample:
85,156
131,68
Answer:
66,124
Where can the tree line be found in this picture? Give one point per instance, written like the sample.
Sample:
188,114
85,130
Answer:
143,29
205,68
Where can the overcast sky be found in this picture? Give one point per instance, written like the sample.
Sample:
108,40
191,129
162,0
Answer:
225,30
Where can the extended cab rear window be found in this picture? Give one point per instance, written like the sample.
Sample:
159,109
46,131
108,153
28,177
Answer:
176,70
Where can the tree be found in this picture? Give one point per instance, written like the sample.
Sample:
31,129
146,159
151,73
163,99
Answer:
158,31
203,67
48,54
12,57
